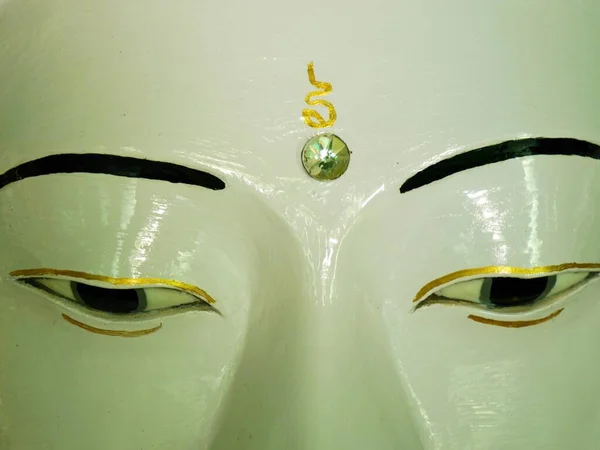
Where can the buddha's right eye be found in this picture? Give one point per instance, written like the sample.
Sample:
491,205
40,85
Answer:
117,300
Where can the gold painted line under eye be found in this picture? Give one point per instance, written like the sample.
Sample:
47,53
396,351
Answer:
501,270
514,323
120,333
29,273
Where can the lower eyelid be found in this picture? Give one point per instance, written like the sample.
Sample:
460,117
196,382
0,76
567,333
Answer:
109,332
514,323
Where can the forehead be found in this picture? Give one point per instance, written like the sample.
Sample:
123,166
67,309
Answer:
223,83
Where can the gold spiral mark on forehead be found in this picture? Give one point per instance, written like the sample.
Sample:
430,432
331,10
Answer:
514,323
31,273
120,333
311,117
501,270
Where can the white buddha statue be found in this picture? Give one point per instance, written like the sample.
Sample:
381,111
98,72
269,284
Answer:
305,226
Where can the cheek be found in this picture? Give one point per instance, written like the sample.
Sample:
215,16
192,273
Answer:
143,389
62,384
480,386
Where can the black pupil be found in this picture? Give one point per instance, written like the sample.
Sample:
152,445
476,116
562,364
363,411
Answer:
108,300
516,291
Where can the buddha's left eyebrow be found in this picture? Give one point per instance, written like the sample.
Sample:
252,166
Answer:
500,152
121,166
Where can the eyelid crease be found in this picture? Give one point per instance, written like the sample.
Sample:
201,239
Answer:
501,270
30,273
514,323
105,332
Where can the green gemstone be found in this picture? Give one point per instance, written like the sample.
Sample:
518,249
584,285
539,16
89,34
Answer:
325,157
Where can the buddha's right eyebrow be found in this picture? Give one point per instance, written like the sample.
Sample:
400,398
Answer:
120,166
497,153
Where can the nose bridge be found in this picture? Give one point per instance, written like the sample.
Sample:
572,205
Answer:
317,371
358,396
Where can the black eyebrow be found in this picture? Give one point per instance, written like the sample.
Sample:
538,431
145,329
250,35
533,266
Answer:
500,152
120,166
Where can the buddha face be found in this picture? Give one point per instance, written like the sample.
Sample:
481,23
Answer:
276,225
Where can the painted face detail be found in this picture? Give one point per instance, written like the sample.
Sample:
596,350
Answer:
120,166
504,292
511,294
500,152
117,296
109,294
505,287
191,257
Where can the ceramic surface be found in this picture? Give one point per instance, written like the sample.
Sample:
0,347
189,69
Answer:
314,340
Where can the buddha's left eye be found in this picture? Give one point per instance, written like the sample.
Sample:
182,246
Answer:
502,292
117,300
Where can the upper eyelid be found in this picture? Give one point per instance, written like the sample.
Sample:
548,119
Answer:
501,270
139,282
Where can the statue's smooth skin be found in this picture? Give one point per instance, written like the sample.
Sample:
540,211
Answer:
171,276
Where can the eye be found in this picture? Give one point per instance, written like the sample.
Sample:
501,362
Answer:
502,292
117,300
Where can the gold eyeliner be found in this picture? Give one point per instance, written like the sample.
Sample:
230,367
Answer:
31,273
501,270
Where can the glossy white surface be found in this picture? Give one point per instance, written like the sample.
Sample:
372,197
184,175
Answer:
318,346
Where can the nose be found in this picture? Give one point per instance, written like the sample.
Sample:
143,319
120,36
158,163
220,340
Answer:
318,372
359,397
